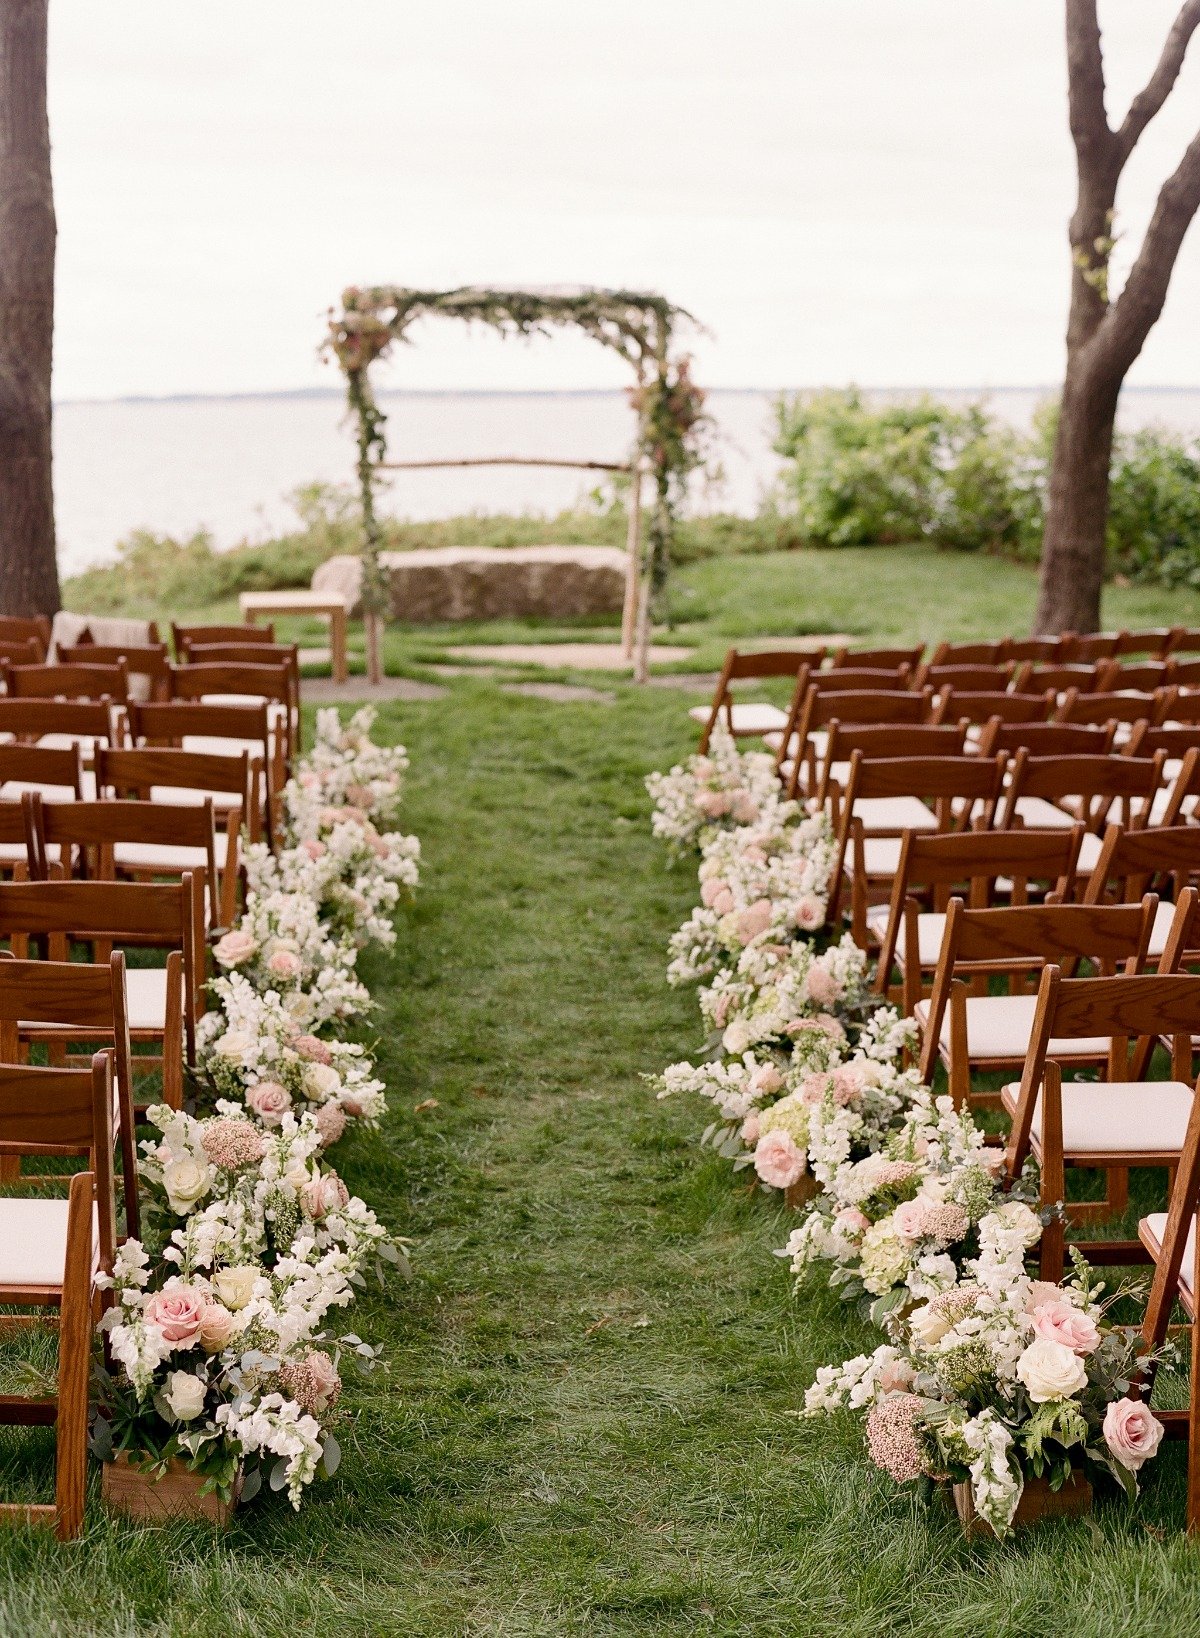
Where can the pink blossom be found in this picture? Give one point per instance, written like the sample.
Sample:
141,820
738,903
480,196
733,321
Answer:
312,1382
713,804
284,964
231,1144
743,808
711,890
314,848
766,1081
178,1313
1132,1432
895,1375
892,1438
754,920
809,913
1060,1321
269,1101
778,1160
852,1221
721,1008
723,902
753,854
362,796
313,1050
216,1327
323,1194
820,986
750,1129
235,947
331,1123
909,1219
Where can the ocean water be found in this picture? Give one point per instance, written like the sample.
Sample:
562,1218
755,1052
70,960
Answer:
228,464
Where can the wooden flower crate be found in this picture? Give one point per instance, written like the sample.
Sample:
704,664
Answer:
798,1195
1037,1502
141,1493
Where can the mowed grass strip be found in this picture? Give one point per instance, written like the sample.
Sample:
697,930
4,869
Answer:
585,1425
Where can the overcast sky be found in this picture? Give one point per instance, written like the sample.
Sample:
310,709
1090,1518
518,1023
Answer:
868,190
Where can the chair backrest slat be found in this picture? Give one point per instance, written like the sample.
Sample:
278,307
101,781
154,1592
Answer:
68,682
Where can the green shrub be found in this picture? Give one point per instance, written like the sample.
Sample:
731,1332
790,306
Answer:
1154,509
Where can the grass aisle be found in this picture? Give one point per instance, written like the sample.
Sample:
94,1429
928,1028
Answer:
584,1427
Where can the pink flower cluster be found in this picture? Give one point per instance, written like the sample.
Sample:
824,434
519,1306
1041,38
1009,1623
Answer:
232,1144
892,1438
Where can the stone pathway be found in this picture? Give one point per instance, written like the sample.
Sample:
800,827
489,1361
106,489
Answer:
568,656
323,691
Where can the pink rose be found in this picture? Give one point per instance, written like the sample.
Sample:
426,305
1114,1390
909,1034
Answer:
308,780
754,855
312,1049
710,891
848,1082
723,902
852,1221
721,1008
813,1089
361,796
1060,1321
778,1160
1132,1432
234,948
895,1376
743,808
331,1123
284,964
216,1327
378,846
809,913
178,1313
908,1219
313,848
754,920
766,1081
750,1129
321,1195
820,986
269,1101
713,804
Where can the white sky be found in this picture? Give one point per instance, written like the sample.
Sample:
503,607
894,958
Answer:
869,190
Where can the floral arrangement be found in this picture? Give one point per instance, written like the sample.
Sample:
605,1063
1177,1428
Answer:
720,789
216,1325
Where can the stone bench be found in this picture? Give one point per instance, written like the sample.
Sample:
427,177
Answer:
487,582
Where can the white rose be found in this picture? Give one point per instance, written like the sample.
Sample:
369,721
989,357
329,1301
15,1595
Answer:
186,1181
927,1325
184,1395
1015,1214
1051,1370
235,1286
236,1045
321,1082
736,1037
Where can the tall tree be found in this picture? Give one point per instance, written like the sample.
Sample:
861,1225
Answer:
1104,336
28,564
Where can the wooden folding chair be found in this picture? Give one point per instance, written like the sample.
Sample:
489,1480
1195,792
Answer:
1185,673
55,773
1184,640
1157,859
114,840
90,1001
147,666
990,1033
885,798
1124,710
979,707
1046,738
1144,677
14,838
184,636
934,868
808,735
1155,641
219,730
67,682
750,719
1040,650
58,723
185,779
1088,649
21,651
15,628
245,684
971,678
1048,791
1122,1120
1031,678
879,659
874,741
969,653
163,1003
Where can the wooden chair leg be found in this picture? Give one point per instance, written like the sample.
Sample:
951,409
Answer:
959,1069
74,1364
1193,1484
1117,1189
1053,1187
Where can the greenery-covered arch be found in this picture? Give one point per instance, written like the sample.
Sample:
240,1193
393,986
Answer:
639,325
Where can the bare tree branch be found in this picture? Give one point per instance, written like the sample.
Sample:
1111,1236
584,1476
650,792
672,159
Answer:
1158,87
1131,318
1085,84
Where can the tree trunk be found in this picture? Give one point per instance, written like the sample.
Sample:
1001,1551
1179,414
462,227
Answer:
28,564
1073,545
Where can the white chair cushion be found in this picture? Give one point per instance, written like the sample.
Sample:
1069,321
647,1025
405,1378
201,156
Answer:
750,717
181,796
146,993
999,1026
13,790
33,1241
894,813
1101,1117
15,853
1039,814
1151,1230
1090,849
930,927
1163,917
159,856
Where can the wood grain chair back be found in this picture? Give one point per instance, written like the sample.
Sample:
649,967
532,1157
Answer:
1086,787
1017,942
878,659
1040,650
881,740
1088,649
1159,858
820,707
1175,741
972,678
1184,708
116,840
89,722
152,773
224,730
16,628
1185,640
183,637
741,666
1155,641
1142,676
969,653
21,651
39,998
979,707
1046,738
857,679
67,682
15,820
1185,673
166,916
1033,678
45,768
1107,707
937,867
229,684
147,666
1184,791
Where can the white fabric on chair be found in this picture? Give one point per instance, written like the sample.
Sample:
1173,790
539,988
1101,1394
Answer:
930,927
881,856
1151,1230
1163,917
1114,1117
999,1026
33,1241
894,813
182,796
1038,814
749,718
13,789
146,992
159,856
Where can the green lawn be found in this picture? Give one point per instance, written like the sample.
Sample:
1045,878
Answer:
585,1427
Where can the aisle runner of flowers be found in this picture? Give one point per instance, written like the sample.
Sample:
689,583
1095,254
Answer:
986,1376
219,1333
